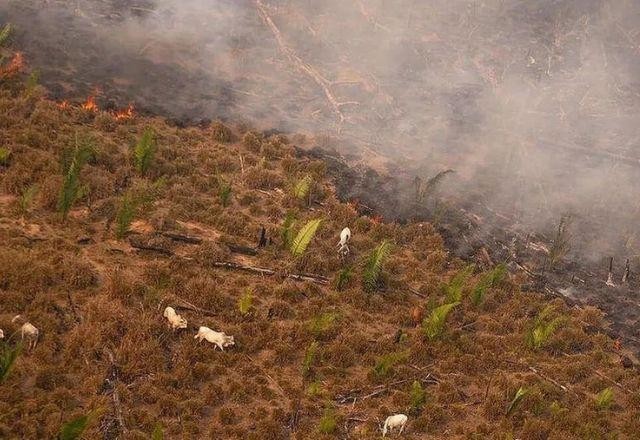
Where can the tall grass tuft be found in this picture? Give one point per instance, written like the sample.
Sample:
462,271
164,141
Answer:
309,359
322,323
433,325
384,364
144,150
453,289
373,266
543,328
517,399
488,280
305,235
561,242
604,399
72,165
418,396
328,423
8,358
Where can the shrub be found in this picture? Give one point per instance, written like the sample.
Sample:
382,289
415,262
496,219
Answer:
604,399
488,280
144,150
373,266
517,399
453,289
543,328
433,325
304,237
72,165
221,132
8,357
328,422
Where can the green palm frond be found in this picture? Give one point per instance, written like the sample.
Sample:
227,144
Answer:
286,232
72,163
425,188
245,303
301,187
517,399
26,198
304,237
488,280
144,150
453,289
433,325
73,429
8,358
543,328
373,265
5,33
604,399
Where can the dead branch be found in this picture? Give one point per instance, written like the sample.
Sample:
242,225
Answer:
188,306
548,379
239,249
110,386
298,62
319,279
148,247
608,379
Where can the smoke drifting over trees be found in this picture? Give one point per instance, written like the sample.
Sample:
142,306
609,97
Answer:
534,104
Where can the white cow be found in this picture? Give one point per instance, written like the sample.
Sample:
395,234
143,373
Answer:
394,421
220,339
175,321
1,334
345,236
27,331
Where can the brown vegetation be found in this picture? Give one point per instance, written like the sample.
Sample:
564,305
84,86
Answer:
310,361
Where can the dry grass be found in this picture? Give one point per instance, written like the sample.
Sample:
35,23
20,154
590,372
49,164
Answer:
99,294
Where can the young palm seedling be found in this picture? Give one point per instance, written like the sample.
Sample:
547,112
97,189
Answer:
453,289
433,325
488,280
8,358
517,399
143,151
305,235
543,328
604,399
72,165
373,266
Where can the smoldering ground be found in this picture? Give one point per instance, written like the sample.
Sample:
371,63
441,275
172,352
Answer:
535,105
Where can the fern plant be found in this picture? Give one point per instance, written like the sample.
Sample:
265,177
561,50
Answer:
305,235
301,187
309,359
143,151
73,429
543,328
453,289
373,266
5,33
245,303
8,358
604,399
343,277
517,399
433,325
286,233
26,198
488,280
72,165
384,364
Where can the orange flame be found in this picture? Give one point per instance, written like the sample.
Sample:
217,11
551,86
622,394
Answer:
15,66
90,104
125,114
63,105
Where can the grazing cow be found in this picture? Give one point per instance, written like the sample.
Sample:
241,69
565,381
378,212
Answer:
394,421
220,339
27,331
345,236
175,321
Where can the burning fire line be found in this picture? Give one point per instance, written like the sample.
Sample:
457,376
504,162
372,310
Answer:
125,114
90,104
14,67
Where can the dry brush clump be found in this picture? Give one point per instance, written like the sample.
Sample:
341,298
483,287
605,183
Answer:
308,352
